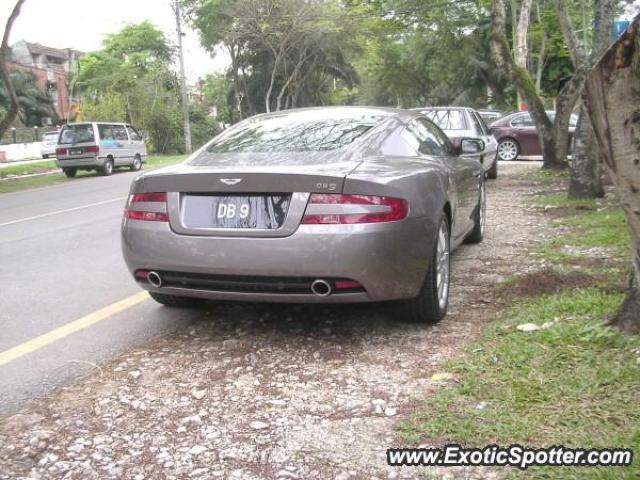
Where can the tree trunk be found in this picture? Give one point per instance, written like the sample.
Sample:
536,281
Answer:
585,181
540,64
521,40
613,101
5,55
236,84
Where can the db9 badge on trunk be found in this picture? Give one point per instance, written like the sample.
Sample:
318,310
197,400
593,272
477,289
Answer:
235,211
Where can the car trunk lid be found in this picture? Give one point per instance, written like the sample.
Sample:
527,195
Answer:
252,194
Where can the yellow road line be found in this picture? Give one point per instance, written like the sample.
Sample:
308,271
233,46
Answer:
56,334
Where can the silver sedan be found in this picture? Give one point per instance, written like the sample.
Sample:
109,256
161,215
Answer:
336,204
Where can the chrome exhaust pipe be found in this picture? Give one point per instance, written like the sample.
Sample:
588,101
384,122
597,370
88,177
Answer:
154,279
321,288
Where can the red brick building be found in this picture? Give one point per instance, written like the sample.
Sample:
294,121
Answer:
52,68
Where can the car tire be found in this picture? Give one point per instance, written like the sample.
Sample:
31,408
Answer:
137,164
508,149
107,168
70,172
176,301
479,217
45,156
492,173
430,306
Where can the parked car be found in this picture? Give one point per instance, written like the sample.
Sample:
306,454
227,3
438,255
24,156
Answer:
489,115
463,122
321,205
49,141
99,146
518,137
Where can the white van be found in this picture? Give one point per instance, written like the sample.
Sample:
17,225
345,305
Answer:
49,142
99,146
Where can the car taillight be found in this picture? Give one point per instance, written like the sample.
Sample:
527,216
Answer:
92,149
61,151
329,208
150,207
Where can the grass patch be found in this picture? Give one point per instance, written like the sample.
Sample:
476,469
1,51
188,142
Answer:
592,224
575,383
28,169
13,185
543,174
561,200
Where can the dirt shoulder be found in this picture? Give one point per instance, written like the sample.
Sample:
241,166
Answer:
268,392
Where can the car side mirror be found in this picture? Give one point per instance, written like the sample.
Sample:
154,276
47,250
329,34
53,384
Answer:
470,146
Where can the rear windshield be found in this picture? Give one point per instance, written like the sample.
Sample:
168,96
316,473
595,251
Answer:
80,133
447,119
296,132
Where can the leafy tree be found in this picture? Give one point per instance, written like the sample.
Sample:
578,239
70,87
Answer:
283,53
130,79
426,53
10,107
34,105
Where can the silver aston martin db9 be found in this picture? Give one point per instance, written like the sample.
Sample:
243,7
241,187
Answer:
336,204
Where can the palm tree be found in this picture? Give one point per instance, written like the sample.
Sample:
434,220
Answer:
34,105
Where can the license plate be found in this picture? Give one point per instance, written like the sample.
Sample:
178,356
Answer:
235,211
75,151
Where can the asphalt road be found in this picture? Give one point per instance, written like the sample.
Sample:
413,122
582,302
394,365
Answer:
60,261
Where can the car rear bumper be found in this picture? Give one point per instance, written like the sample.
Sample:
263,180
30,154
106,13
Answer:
80,162
388,260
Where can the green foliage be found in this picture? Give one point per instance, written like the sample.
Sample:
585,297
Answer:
109,107
203,126
426,54
131,80
34,105
284,54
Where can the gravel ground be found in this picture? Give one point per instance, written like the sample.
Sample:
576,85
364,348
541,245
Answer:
274,392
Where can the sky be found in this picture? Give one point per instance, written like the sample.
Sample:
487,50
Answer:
82,25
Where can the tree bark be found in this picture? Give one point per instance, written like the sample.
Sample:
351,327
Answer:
5,54
540,64
521,40
612,100
585,180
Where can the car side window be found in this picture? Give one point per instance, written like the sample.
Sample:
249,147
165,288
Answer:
523,120
447,147
429,143
133,133
120,133
106,132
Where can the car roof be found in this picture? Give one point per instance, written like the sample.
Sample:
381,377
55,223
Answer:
441,108
96,123
401,114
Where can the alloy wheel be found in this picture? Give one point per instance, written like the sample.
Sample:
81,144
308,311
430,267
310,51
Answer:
507,150
442,266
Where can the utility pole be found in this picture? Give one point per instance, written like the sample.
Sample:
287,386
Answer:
183,81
